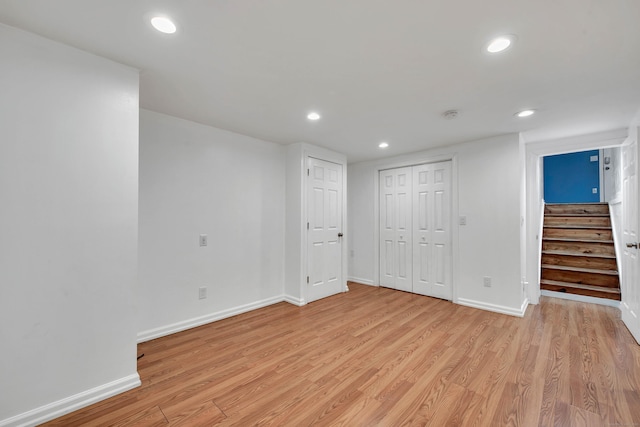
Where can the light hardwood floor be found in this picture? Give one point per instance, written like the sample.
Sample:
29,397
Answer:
375,356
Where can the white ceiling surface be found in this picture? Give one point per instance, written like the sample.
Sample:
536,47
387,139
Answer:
374,69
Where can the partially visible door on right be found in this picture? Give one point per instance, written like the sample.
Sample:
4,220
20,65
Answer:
432,225
630,280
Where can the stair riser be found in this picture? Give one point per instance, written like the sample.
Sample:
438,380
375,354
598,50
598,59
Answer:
578,233
580,247
593,279
596,209
576,220
581,262
585,292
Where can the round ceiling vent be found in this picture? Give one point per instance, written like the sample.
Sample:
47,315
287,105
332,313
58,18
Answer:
450,114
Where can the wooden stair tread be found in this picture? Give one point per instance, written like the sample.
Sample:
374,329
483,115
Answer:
580,269
578,254
573,227
564,239
577,215
579,286
578,251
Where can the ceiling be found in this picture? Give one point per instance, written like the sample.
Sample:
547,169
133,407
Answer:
376,70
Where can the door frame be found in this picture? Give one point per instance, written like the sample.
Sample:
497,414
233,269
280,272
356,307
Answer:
318,153
414,161
534,152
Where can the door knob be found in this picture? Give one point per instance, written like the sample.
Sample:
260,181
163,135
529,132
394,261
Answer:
632,245
340,234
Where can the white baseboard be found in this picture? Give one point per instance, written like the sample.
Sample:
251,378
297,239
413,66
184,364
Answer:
293,300
361,281
494,307
581,298
162,331
72,403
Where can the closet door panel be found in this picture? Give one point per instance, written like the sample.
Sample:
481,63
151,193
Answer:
396,223
432,213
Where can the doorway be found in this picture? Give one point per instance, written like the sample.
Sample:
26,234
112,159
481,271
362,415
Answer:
534,154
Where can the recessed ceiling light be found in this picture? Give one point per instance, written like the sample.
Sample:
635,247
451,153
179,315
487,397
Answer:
383,145
163,24
313,116
500,43
525,113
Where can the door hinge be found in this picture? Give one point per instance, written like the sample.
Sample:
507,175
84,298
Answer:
307,279
307,225
307,172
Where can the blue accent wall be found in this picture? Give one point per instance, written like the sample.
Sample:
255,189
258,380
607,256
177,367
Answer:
570,178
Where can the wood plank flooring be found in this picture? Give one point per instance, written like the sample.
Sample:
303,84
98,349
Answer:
379,357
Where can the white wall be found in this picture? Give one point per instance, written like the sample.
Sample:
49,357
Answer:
293,285
68,227
488,188
196,179
362,214
612,177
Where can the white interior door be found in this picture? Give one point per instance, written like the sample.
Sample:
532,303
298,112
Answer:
396,229
324,242
432,227
630,280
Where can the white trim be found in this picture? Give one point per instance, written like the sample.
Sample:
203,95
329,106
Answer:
72,403
495,308
293,300
615,208
593,141
581,298
630,318
361,281
162,331
601,174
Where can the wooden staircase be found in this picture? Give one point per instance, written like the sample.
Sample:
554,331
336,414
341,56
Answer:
578,254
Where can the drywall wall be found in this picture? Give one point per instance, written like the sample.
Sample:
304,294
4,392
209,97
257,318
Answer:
362,213
572,177
68,227
294,247
194,180
612,173
487,181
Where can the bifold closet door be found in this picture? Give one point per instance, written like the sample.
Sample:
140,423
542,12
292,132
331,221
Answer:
432,230
415,229
396,229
